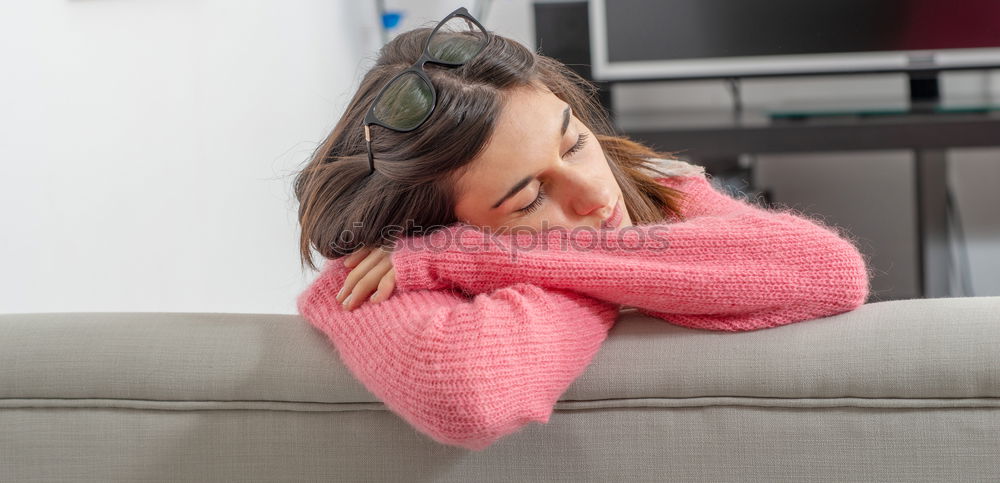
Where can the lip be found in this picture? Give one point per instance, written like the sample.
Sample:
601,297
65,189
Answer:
615,219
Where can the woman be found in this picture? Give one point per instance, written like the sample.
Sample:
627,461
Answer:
479,216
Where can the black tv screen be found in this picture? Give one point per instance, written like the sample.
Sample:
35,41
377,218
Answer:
645,33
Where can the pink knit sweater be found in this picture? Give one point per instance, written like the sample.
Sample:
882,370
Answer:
484,333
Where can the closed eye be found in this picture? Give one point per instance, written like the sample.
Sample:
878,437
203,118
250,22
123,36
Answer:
581,140
534,204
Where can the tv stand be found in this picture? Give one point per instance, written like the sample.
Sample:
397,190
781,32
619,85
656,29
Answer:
925,95
720,137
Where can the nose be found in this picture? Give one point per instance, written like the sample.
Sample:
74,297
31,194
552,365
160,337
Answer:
594,199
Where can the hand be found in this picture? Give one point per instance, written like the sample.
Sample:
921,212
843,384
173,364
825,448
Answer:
371,271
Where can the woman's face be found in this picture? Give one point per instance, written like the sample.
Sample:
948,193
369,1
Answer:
541,169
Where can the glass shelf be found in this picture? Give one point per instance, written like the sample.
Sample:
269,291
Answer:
877,107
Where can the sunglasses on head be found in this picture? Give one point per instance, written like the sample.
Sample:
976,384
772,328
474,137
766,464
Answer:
409,98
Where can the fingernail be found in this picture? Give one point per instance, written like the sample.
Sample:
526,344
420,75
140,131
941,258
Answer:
372,299
347,301
340,293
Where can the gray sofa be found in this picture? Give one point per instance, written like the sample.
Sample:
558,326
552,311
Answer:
894,391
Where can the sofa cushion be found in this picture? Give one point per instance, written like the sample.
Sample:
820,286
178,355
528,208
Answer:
891,353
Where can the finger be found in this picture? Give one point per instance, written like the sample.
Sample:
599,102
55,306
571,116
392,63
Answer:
357,256
366,285
353,259
385,287
357,274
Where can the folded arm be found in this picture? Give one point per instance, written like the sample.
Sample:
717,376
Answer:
464,371
729,265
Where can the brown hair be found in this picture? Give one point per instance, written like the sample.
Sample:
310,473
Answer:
337,196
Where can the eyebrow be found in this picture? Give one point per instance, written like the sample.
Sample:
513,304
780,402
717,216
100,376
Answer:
527,179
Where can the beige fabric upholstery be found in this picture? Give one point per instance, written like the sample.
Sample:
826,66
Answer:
894,391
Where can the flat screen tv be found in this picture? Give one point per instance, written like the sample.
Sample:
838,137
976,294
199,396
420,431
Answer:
634,40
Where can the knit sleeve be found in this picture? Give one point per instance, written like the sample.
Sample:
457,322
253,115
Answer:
729,265
463,370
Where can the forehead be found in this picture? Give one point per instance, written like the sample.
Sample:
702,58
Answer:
526,132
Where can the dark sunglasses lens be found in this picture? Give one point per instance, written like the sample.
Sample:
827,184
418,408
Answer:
456,42
405,102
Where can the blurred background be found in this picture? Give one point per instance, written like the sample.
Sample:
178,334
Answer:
147,148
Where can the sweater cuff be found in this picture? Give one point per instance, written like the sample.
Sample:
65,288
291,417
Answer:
412,256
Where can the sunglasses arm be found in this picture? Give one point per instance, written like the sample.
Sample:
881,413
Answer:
368,141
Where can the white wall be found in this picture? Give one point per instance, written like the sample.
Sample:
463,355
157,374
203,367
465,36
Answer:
510,18
146,148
